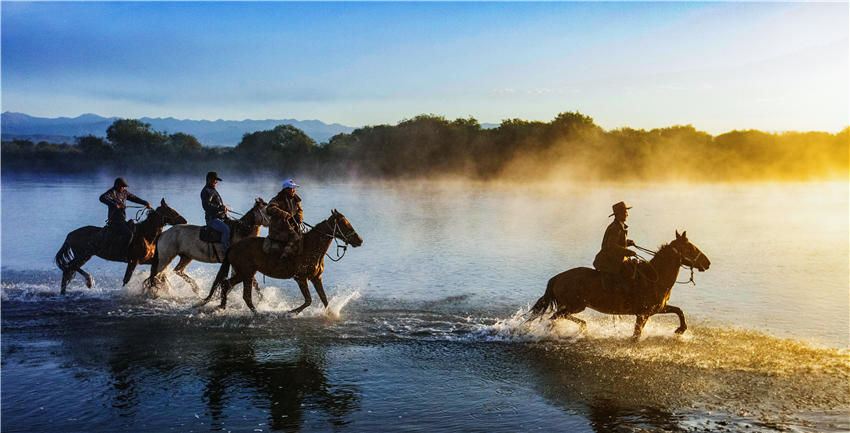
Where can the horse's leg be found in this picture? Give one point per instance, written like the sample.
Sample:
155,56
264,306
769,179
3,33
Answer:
180,271
671,309
226,286
566,314
247,287
87,276
256,287
74,267
305,290
640,321
131,266
67,276
320,289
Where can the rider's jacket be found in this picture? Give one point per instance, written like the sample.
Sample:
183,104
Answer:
610,258
116,201
212,203
285,215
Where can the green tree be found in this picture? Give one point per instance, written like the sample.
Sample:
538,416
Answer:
181,143
93,146
131,136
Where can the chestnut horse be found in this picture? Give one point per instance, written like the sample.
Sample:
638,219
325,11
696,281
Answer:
83,243
247,258
184,240
572,291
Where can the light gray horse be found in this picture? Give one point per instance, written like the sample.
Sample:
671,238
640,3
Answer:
184,240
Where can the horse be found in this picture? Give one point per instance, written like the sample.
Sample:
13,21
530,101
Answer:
83,243
184,240
570,292
247,258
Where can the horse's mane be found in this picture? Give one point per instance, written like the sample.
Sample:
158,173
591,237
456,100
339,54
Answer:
664,249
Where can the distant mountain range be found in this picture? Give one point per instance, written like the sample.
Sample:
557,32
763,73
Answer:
209,133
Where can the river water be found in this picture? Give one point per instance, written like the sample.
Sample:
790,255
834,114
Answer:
425,326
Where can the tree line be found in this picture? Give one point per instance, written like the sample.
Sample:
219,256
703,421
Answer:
569,146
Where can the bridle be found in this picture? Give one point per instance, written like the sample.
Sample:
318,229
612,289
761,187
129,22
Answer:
693,262
259,213
333,235
683,258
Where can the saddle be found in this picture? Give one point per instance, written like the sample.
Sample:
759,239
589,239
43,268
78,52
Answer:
282,249
209,234
111,244
633,275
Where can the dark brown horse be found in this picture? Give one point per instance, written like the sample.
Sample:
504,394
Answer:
83,243
572,291
247,258
184,241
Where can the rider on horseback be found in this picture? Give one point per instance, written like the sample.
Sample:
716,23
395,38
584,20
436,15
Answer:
611,260
116,200
215,212
286,215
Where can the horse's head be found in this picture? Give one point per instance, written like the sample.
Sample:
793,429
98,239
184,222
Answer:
169,215
691,255
343,229
257,216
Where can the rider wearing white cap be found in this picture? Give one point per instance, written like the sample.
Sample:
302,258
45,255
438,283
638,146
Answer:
286,215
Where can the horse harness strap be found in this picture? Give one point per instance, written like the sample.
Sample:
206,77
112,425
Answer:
332,235
691,266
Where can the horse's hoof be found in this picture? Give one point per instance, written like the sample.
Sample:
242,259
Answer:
89,282
681,330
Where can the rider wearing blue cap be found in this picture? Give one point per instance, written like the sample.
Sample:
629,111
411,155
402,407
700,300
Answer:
286,215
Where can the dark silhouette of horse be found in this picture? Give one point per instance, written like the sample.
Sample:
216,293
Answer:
572,291
184,240
247,258
83,243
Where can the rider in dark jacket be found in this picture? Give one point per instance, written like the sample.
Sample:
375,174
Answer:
215,212
286,216
116,200
612,256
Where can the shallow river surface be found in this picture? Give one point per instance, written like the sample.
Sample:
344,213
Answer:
426,328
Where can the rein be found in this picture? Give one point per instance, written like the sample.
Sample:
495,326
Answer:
139,213
683,265
333,236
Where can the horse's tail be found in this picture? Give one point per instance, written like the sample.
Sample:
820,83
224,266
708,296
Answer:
64,257
545,302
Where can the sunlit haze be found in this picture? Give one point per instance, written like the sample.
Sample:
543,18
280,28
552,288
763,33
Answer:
717,66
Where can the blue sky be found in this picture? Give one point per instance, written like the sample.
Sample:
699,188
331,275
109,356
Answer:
718,66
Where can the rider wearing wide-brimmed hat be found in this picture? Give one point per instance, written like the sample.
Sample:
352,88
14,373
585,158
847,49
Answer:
285,217
612,256
116,200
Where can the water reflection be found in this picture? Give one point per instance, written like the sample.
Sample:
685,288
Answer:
158,371
746,379
286,387
611,394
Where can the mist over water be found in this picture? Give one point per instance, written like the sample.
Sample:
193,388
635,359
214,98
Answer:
425,327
